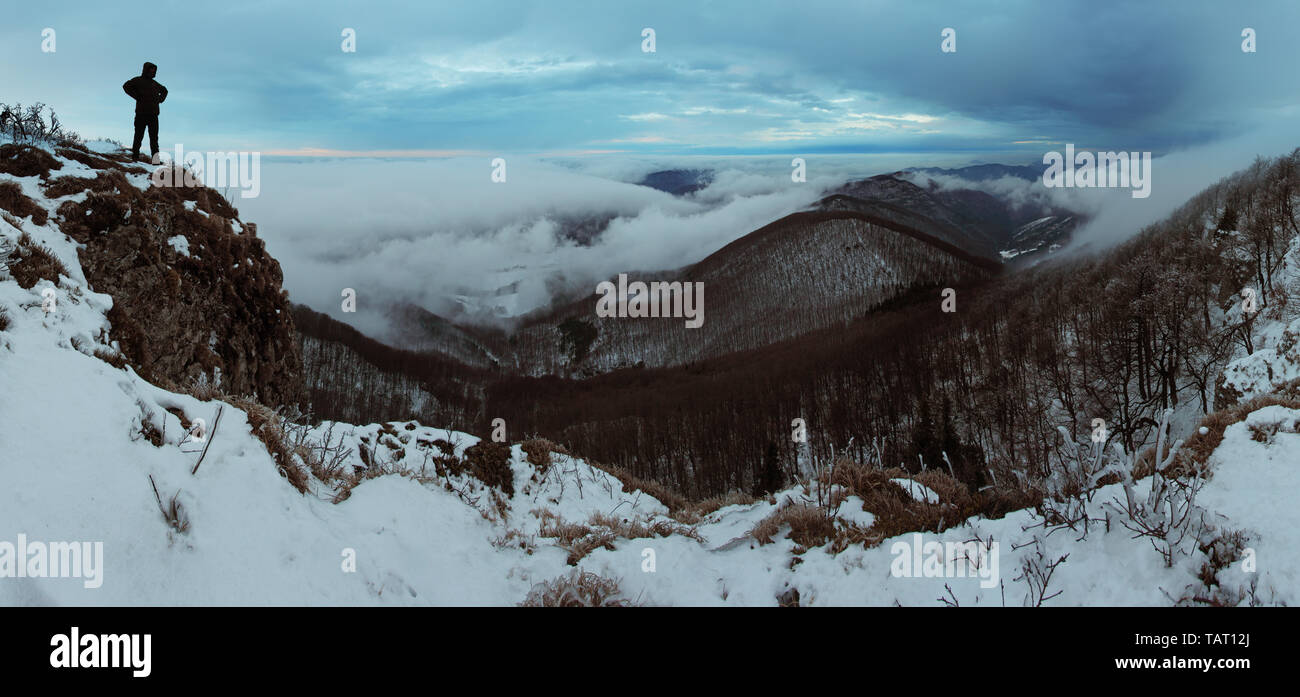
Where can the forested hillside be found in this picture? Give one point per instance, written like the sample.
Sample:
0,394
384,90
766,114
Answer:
871,361
347,375
1119,337
805,272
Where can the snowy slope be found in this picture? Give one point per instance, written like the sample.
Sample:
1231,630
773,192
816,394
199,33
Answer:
1276,360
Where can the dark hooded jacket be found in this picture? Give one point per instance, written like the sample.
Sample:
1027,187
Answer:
146,91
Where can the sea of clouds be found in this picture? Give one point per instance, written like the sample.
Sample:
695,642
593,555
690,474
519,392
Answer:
429,231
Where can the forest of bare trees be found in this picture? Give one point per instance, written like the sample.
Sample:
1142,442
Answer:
350,377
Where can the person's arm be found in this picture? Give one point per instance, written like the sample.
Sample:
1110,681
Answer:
129,87
162,93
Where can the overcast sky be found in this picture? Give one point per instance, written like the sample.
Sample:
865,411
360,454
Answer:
744,77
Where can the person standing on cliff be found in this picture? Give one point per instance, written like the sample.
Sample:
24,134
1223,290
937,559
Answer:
148,94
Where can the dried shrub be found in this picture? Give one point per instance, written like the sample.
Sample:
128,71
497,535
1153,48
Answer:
31,262
446,464
577,539
105,182
110,357
515,539
13,199
490,463
1195,453
29,125
69,185
592,541
325,458
577,589
172,511
101,212
814,521
601,530
27,161
539,452
86,158
633,528
810,525
265,425
1223,548
694,512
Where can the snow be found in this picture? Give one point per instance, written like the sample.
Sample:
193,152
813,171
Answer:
1277,359
853,511
1253,489
1267,368
102,147
918,491
180,243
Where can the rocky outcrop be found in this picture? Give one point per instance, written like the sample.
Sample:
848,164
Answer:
195,293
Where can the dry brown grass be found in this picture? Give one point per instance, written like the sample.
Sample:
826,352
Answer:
172,511
895,511
344,483
680,508
445,463
1195,453
633,528
325,457
675,502
490,463
26,161
13,199
577,589
695,511
106,182
516,539
602,530
264,423
539,452
31,262
87,158
810,525
110,357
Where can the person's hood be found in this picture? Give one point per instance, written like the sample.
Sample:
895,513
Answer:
150,70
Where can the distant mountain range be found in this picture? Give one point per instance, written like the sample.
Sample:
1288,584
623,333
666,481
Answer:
989,172
977,221
678,182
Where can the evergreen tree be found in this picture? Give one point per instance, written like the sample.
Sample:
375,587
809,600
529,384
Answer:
770,479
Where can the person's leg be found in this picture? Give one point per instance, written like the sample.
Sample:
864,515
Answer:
139,135
153,136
